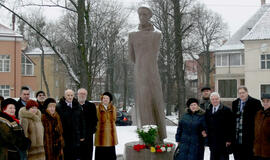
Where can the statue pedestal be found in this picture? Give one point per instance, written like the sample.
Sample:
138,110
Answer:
145,154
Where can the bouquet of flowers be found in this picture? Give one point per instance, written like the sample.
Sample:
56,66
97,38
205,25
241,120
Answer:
148,134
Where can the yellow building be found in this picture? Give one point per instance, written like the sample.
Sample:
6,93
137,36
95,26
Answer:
55,72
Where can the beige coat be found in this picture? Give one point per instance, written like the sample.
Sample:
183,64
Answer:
33,129
106,129
143,50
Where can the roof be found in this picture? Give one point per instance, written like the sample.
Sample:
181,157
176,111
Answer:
6,32
234,43
261,30
37,51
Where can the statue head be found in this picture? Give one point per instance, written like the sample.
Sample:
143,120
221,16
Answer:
145,15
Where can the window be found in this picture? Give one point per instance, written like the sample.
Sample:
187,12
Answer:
4,63
227,88
27,67
242,82
224,60
265,61
265,88
56,83
4,90
235,59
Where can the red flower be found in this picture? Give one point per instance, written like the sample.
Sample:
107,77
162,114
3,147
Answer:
157,146
159,150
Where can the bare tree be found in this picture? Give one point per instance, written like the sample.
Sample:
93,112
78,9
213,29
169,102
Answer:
85,46
34,40
210,30
162,20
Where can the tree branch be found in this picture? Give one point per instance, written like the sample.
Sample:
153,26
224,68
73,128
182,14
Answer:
61,56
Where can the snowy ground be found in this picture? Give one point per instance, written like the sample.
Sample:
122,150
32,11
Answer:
127,134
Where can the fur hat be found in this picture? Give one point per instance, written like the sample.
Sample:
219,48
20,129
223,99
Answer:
265,96
39,92
192,100
6,102
48,101
107,94
205,88
31,103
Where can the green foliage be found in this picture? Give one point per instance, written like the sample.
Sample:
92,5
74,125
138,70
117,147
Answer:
148,136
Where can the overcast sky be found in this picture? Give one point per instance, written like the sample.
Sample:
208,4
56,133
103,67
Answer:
234,12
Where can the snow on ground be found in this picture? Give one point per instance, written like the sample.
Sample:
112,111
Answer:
127,134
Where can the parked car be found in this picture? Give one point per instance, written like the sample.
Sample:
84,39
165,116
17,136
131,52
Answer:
123,119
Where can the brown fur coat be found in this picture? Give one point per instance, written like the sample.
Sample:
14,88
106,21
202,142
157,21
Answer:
33,129
53,139
106,129
262,134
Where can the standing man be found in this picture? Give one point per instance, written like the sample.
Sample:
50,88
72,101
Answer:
205,101
71,116
219,123
41,96
24,97
90,117
244,109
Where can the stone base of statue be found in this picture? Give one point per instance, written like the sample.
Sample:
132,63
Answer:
145,154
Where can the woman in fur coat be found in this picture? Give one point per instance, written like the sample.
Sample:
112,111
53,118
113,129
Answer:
261,147
13,143
30,117
106,137
53,139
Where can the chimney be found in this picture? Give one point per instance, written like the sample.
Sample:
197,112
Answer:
262,2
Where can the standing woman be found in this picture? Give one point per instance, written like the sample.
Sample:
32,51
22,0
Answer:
262,130
191,132
53,131
106,137
13,143
30,117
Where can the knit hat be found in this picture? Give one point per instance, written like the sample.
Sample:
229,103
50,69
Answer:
107,94
192,100
6,102
48,101
31,103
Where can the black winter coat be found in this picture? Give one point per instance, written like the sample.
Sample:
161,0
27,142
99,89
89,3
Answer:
252,106
90,117
189,134
72,122
18,107
219,128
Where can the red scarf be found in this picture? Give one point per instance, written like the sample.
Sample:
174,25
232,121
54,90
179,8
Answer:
13,117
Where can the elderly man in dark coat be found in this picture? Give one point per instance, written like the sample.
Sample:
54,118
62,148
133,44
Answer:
244,110
219,124
90,117
71,115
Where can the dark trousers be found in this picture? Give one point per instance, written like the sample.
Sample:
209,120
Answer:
71,153
242,152
218,155
105,153
260,158
87,148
